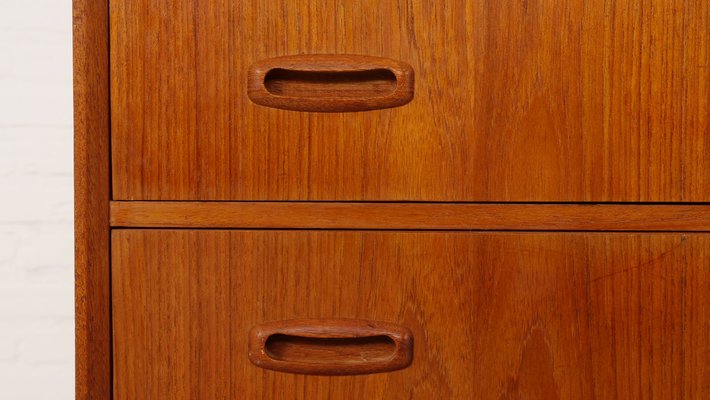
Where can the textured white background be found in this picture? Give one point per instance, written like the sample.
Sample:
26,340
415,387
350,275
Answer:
36,244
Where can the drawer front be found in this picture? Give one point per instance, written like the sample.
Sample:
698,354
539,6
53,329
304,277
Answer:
532,100
491,315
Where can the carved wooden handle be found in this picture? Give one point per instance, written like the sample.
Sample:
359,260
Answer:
330,346
331,83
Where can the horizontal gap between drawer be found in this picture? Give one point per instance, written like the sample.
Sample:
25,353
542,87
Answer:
423,231
412,216
427,202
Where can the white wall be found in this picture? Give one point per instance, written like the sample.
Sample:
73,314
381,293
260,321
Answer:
36,244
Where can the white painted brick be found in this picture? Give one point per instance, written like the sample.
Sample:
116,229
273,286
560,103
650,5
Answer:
36,104
14,332
48,346
50,150
31,61
37,198
36,15
53,263
36,187
9,248
49,244
9,348
49,382
36,302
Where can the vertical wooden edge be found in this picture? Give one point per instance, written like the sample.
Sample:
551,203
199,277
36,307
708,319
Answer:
91,201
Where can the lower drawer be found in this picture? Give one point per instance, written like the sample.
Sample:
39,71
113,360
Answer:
491,315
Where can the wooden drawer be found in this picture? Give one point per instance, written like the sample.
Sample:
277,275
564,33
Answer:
531,100
230,236
492,315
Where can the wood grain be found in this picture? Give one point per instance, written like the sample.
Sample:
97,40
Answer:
494,315
330,83
330,346
534,100
92,195
445,216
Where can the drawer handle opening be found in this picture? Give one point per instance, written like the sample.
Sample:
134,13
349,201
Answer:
330,346
327,350
330,84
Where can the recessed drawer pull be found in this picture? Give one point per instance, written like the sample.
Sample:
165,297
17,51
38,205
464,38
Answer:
330,346
331,83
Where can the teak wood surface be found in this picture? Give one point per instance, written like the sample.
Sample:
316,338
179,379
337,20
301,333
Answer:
493,315
330,83
515,104
514,101
330,346
92,194
444,216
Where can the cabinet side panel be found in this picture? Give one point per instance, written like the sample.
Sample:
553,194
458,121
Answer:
92,195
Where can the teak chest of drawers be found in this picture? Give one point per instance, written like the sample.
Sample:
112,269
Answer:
399,199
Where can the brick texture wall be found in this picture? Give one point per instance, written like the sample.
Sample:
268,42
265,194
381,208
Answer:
36,244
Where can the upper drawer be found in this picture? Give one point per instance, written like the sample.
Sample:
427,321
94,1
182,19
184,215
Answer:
531,100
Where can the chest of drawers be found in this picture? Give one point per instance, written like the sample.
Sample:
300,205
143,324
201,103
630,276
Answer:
392,199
